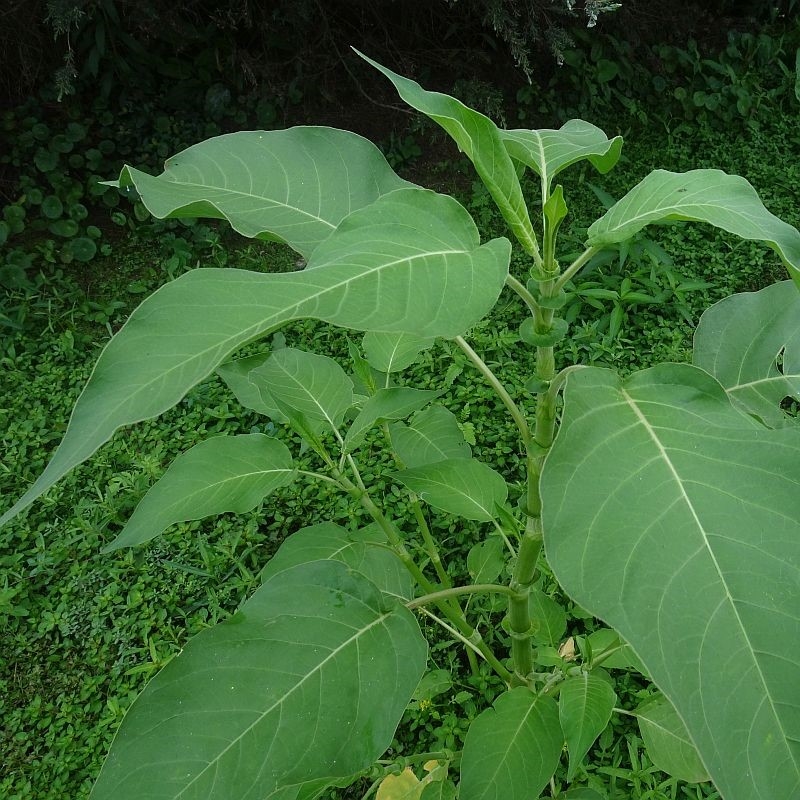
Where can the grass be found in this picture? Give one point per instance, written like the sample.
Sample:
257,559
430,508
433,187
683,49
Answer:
82,632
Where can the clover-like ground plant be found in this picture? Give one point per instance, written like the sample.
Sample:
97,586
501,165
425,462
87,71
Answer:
666,503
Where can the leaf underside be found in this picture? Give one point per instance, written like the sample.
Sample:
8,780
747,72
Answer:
412,261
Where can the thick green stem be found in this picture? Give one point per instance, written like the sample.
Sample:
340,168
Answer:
519,618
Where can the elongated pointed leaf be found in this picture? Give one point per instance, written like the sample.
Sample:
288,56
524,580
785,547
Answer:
306,683
294,185
461,486
667,742
363,550
549,620
236,374
225,473
480,140
676,519
392,352
549,151
702,195
585,703
314,385
433,436
511,749
411,261
386,404
739,341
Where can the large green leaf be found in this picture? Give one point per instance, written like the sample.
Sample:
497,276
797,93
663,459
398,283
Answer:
392,352
411,261
363,550
739,341
512,749
702,195
386,404
225,473
480,140
292,185
585,703
676,519
549,151
433,436
311,384
461,486
306,683
667,742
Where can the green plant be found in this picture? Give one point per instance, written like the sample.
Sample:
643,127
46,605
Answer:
666,502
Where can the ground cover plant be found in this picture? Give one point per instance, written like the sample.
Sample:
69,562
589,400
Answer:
452,266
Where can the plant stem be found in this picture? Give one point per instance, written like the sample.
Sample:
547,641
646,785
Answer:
455,591
521,290
474,641
319,476
500,390
575,267
430,544
452,612
437,755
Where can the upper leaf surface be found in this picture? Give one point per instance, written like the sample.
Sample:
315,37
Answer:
361,550
236,374
547,152
511,749
702,195
676,519
292,185
479,139
433,436
312,384
224,473
462,486
306,682
585,703
739,341
436,280
394,403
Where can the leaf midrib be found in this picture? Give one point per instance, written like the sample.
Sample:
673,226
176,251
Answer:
254,330
259,197
720,574
277,703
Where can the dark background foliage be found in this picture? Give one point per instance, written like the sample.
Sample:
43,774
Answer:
88,47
